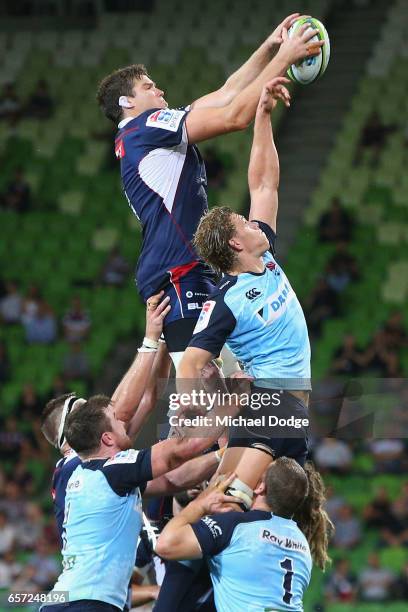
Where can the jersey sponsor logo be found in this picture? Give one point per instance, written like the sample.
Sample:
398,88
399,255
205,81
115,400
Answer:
283,541
128,456
213,526
166,119
253,293
194,306
276,304
75,484
271,265
204,317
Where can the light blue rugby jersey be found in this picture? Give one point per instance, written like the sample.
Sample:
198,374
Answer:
258,561
102,522
260,318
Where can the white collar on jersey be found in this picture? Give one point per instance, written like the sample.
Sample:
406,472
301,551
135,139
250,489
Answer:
124,122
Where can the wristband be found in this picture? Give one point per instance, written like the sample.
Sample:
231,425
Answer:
146,349
149,343
219,453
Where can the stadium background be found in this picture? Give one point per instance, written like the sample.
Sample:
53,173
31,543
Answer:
63,215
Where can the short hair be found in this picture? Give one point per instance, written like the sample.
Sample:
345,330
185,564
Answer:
286,486
51,418
84,428
215,230
118,83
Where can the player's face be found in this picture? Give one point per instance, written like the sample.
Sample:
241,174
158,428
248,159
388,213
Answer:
249,236
119,430
147,95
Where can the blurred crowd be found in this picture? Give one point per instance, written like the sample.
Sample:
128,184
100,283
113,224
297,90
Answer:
38,105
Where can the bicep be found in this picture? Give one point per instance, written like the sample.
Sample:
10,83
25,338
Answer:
203,123
264,205
184,546
216,99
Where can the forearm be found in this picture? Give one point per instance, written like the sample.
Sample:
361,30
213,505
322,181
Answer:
193,472
128,394
242,109
242,77
263,170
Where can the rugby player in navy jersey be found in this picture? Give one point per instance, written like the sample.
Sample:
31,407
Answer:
261,559
256,312
163,174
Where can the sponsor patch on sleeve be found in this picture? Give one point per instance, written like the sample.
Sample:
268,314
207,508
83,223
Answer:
166,119
205,316
128,456
213,526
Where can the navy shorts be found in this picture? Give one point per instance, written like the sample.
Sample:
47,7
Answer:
282,431
82,605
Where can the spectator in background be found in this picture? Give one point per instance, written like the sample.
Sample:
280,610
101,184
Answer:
40,104
341,269
348,360
17,196
334,503
11,439
23,476
323,304
10,105
347,529
10,568
397,337
341,584
59,387
29,404
116,269
76,363
13,502
333,455
215,168
374,135
31,529
400,588
76,322
374,581
396,532
46,566
381,356
41,328
31,302
377,513
7,534
11,304
4,363
335,225
389,456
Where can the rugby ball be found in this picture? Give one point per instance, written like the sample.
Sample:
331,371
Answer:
309,69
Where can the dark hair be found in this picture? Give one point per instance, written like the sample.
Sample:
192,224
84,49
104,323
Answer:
313,520
215,230
116,84
51,417
84,428
286,486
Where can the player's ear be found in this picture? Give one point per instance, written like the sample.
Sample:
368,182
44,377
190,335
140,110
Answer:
124,102
235,244
107,438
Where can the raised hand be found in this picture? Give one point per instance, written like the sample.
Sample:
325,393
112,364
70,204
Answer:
156,311
299,46
273,91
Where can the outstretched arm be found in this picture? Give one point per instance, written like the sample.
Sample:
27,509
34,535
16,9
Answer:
242,77
263,170
128,394
204,123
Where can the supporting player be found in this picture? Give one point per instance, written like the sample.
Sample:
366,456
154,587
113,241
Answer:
261,559
163,173
255,311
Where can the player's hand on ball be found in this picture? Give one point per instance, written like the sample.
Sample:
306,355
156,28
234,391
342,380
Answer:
272,92
275,39
156,311
298,46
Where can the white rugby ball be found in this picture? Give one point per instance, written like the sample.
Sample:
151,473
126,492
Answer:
309,69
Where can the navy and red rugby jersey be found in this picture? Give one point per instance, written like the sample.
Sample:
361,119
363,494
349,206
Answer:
165,183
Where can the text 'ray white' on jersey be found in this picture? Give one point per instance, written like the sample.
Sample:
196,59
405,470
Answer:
165,183
260,318
258,561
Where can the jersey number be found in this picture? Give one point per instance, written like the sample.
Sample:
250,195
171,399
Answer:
287,565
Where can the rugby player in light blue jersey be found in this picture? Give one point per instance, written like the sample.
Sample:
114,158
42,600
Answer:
259,560
163,173
256,312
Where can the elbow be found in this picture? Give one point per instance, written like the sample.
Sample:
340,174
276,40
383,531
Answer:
165,546
236,119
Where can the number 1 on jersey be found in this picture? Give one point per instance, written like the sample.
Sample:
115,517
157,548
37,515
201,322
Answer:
287,565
